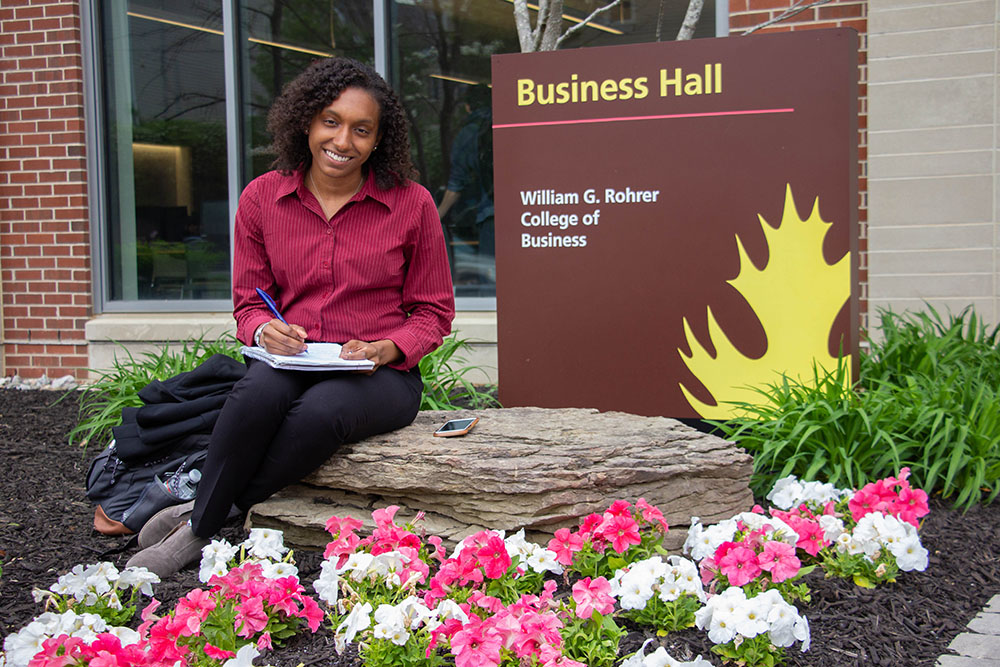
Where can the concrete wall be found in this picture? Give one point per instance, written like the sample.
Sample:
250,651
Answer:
932,170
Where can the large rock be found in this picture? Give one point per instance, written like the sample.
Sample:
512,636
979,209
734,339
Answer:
536,468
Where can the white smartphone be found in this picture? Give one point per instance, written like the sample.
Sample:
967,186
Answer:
454,427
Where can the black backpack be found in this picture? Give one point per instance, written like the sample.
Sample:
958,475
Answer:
129,492
167,436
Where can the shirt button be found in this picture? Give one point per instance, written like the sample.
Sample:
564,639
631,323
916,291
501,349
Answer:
329,231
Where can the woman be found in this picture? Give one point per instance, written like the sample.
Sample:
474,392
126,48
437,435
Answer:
353,253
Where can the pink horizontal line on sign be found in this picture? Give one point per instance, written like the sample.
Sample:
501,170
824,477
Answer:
745,112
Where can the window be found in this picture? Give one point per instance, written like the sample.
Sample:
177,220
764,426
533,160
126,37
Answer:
166,182
171,160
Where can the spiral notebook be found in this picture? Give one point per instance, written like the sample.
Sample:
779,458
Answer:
317,357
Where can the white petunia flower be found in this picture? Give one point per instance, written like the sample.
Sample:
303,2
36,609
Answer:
390,624
544,560
832,527
215,558
448,608
327,585
244,657
518,546
359,619
786,493
138,577
265,543
910,555
278,570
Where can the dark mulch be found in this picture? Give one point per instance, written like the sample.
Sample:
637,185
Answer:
45,528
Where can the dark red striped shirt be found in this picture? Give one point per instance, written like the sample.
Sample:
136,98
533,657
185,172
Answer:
377,270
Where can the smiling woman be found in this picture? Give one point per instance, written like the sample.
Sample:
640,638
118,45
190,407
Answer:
352,253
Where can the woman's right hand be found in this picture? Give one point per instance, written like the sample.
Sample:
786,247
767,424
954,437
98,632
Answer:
279,338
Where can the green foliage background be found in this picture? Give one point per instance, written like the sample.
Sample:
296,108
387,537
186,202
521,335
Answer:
927,399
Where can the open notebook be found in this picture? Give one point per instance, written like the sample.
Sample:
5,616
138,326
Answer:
318,357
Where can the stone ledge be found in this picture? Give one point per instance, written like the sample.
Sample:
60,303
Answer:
533,468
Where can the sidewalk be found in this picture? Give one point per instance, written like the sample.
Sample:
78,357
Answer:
980,646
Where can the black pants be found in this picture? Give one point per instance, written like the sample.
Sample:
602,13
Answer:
277,426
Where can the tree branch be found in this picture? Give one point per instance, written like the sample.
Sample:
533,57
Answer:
797,8
690,19
579,26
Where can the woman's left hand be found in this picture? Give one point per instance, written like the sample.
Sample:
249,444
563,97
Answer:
381,352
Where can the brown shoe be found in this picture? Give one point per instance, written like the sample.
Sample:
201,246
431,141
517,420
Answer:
178,549
164,521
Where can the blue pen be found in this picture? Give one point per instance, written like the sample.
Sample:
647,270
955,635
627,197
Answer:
270,304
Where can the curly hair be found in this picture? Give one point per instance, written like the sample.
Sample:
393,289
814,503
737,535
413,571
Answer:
315,88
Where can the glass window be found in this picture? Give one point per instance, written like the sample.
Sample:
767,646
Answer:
166,147
281,38
166,183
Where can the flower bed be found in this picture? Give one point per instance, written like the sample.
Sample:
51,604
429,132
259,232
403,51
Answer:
499,600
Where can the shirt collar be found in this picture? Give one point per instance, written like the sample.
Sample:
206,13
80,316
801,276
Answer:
293,182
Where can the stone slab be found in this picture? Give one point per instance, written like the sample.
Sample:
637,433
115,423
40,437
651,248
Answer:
977,646
986,623
963,661
533,468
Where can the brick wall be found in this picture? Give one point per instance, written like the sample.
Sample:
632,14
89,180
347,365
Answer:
44,227
746,14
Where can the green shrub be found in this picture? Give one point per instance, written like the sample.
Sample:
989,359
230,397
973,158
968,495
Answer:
927,399
446,386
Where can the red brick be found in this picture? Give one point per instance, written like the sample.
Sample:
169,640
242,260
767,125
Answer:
27,275
26,12
45,23
747,20
44,311
23,151
17,26
46,49
58,298
841,11
16,364
61,9
29,37
50,151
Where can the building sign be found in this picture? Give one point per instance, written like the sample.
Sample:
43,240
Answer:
675,222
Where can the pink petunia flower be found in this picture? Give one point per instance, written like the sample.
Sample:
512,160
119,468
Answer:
739,565
652,514
591,596
565,544
217,653
250,617
780,560
621,531
493,557
476,646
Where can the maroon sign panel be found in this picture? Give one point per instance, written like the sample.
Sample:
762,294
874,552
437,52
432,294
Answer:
676,223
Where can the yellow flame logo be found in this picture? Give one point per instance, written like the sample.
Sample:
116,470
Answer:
796,298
